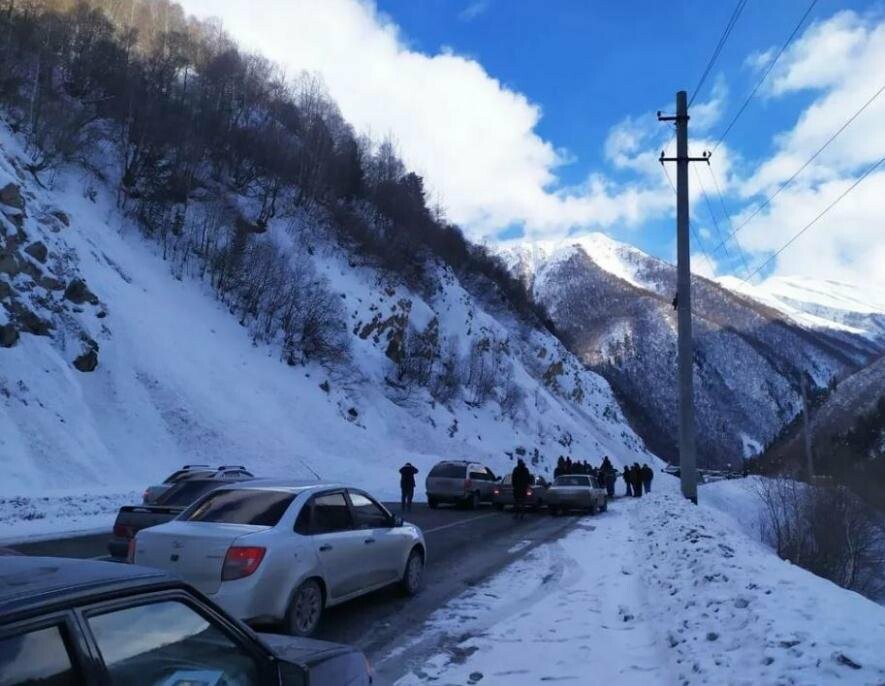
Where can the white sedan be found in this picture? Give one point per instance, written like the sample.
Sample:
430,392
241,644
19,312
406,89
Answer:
281,552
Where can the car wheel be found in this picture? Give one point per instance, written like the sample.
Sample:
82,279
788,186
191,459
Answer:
306,609
432,503
413,574
593,508
473,501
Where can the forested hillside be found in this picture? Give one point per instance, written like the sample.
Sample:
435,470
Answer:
202,262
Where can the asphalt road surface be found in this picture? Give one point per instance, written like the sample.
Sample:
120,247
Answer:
464,548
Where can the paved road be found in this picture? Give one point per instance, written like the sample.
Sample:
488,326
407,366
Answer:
464,548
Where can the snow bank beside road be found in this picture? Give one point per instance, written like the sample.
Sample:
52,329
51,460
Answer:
658,591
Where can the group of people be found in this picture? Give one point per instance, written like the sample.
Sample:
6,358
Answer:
637,479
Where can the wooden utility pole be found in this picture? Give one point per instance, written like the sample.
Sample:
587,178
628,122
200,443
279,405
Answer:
809,460
687,457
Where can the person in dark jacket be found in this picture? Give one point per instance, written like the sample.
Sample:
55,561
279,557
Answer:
637,480
628,479
608,475
560,467
520,479
407,485
569,467
647,475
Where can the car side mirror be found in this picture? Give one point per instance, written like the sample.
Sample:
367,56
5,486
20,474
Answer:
397,521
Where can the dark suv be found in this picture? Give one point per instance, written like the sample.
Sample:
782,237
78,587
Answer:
65,622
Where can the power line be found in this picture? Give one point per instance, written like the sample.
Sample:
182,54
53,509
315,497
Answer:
811,159
709,206
765,75
728,219
692,227
805,228
722,40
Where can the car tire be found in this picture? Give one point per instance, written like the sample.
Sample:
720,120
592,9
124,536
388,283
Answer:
413,574
306,609
473,501
432,503
593,509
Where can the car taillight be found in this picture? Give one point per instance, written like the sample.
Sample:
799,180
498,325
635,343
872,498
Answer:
241,561
467,484
529,492
121,531
496,492
145,497
130,553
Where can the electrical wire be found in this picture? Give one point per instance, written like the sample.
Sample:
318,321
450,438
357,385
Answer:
765,74
735,15
728,218
691,226
805,228
811,159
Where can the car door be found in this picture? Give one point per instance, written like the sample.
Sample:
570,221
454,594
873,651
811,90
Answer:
483,479
168,638
383,543
340,547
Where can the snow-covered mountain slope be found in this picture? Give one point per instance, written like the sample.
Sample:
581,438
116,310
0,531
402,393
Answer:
656,591
179,380
819,304
611,305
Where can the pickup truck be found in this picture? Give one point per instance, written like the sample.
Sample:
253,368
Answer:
133,518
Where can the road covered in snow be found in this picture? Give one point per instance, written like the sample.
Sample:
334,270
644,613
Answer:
656,591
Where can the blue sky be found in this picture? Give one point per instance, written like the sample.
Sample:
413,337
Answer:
590,64
535,120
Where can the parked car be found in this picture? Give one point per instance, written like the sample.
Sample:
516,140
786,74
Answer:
194,471
282,551
576,492
459,482
133,518
502,494
65,621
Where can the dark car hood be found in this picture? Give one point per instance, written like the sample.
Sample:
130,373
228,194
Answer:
302,651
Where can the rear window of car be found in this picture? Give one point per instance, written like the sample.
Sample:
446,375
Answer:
449,470
245,506
572,481
186,492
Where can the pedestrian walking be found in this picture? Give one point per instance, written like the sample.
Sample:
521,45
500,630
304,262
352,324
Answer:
647,475
520,479
637,480
407,486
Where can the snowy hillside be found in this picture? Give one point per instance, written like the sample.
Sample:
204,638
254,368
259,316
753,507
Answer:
611,304
175,378
819,304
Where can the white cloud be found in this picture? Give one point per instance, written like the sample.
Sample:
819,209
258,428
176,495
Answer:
474,9
472,137
841,61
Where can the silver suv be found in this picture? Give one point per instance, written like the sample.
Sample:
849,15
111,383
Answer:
461,482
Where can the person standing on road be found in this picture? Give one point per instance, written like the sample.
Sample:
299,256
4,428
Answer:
627,474
521,479
407,485
637,480
560,467
647,475
568,466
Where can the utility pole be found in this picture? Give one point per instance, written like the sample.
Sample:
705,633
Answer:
809,461
687,458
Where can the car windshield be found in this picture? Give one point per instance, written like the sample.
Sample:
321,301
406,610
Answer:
185,492
572,480
241,506
449,470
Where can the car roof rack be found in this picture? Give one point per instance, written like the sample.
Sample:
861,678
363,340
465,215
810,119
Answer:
195,466
231,466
